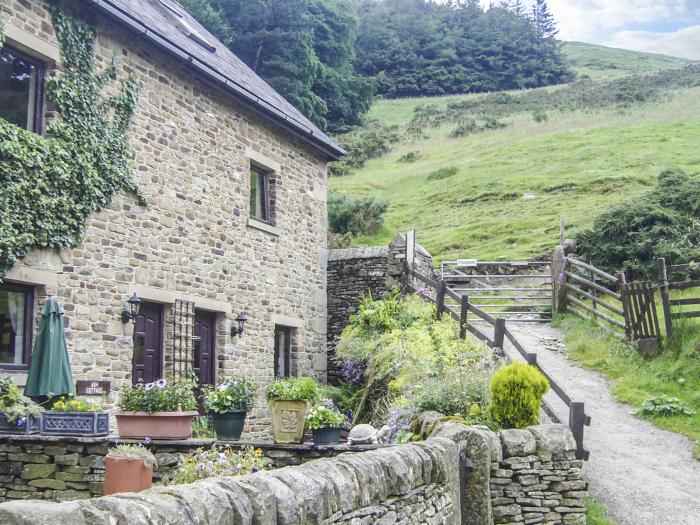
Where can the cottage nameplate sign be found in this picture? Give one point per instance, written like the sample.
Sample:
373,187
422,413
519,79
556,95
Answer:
93,388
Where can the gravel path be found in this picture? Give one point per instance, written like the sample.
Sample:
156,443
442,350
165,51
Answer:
643,475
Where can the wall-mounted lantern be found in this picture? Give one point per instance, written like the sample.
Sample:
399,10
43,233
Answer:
133,311
237,329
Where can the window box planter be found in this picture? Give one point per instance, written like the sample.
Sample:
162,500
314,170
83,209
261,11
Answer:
326,436
155,425
75,423
288,418
229,426
31,426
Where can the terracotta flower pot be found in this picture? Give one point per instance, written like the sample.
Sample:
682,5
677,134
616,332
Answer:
155,425
288,418
127,475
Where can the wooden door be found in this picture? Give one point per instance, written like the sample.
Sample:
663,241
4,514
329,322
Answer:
205,347
148,344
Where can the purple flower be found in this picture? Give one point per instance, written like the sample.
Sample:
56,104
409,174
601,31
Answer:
254,469
561,279
147,441
149,386
353,371
161,383
20,422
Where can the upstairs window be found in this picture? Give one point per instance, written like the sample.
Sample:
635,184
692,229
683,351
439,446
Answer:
21,79
260,194
16,325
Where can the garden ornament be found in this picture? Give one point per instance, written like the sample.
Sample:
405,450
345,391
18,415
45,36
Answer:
367,435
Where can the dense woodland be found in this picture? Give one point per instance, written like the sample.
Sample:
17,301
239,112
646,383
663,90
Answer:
330,57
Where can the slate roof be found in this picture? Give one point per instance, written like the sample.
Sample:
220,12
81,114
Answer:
167,25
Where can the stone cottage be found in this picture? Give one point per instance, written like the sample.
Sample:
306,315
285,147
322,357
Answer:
234,222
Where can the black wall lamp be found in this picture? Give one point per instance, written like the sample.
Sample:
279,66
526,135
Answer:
133,311
237,329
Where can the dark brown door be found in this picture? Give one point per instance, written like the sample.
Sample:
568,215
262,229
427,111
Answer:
205,346
148,343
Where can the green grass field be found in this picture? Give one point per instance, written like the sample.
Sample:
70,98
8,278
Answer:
512,184
600,62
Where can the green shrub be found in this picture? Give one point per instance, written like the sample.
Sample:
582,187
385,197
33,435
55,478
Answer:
539,115
293,389
411,156
516,395
230,394
662,223
172,395
665,406
368,142
216,462
355,215
443,173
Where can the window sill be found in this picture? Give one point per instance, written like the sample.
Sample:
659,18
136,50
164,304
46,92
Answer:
263,226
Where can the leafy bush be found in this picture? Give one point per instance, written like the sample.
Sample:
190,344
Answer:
12,405
229,395
133,451
368,142
324,414
355,215
456,394
662,223
470,125
69,404
443,173
293,389
159,396
664,406
516,395
216,462
411,156
539,115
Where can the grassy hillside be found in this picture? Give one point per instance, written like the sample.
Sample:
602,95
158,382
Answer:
508,187
600,62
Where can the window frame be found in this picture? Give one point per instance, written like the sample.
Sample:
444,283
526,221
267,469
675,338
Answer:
263,175
289,348
29,292
38,102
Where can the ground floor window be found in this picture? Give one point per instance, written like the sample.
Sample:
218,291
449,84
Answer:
16,325
283,351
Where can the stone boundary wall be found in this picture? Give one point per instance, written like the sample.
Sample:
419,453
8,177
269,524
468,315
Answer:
65,468
354,272
415,483
519,476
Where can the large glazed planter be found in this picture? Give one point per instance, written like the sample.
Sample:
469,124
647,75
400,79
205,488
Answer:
326,436
229,426
155,425
31,425
127,475
288,418
75,423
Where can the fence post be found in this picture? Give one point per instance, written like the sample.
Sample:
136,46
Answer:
440,299
577,420
464,308
531,358
665,298
499,332
558,280
625,305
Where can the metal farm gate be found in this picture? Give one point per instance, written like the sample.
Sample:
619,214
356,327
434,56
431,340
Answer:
518,291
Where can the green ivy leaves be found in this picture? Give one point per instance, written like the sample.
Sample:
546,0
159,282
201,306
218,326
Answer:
50,185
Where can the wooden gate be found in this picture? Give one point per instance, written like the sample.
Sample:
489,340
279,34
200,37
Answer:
641,313
518,291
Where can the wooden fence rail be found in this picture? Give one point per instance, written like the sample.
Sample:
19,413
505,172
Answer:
439,291
672,307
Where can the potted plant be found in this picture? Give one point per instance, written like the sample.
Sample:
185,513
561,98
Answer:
324,419
18,415
228,404
75,417
216,462
158,410
289,400
129,468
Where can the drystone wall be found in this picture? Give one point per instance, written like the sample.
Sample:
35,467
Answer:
416,483
355,272
65,468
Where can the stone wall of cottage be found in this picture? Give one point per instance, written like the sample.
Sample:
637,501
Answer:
193,241
416,483
356,272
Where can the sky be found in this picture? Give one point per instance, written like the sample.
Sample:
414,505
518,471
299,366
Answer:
670,27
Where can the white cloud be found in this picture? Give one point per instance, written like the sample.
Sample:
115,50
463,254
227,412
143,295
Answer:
683,43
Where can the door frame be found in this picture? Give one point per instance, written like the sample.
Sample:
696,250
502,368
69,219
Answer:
214,337
161,335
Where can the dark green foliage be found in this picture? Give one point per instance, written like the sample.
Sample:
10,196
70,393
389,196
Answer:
471,125
49,186
665,406
663,223
443,173
423,48
368,142
355,216
516,395
410,157
302,48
